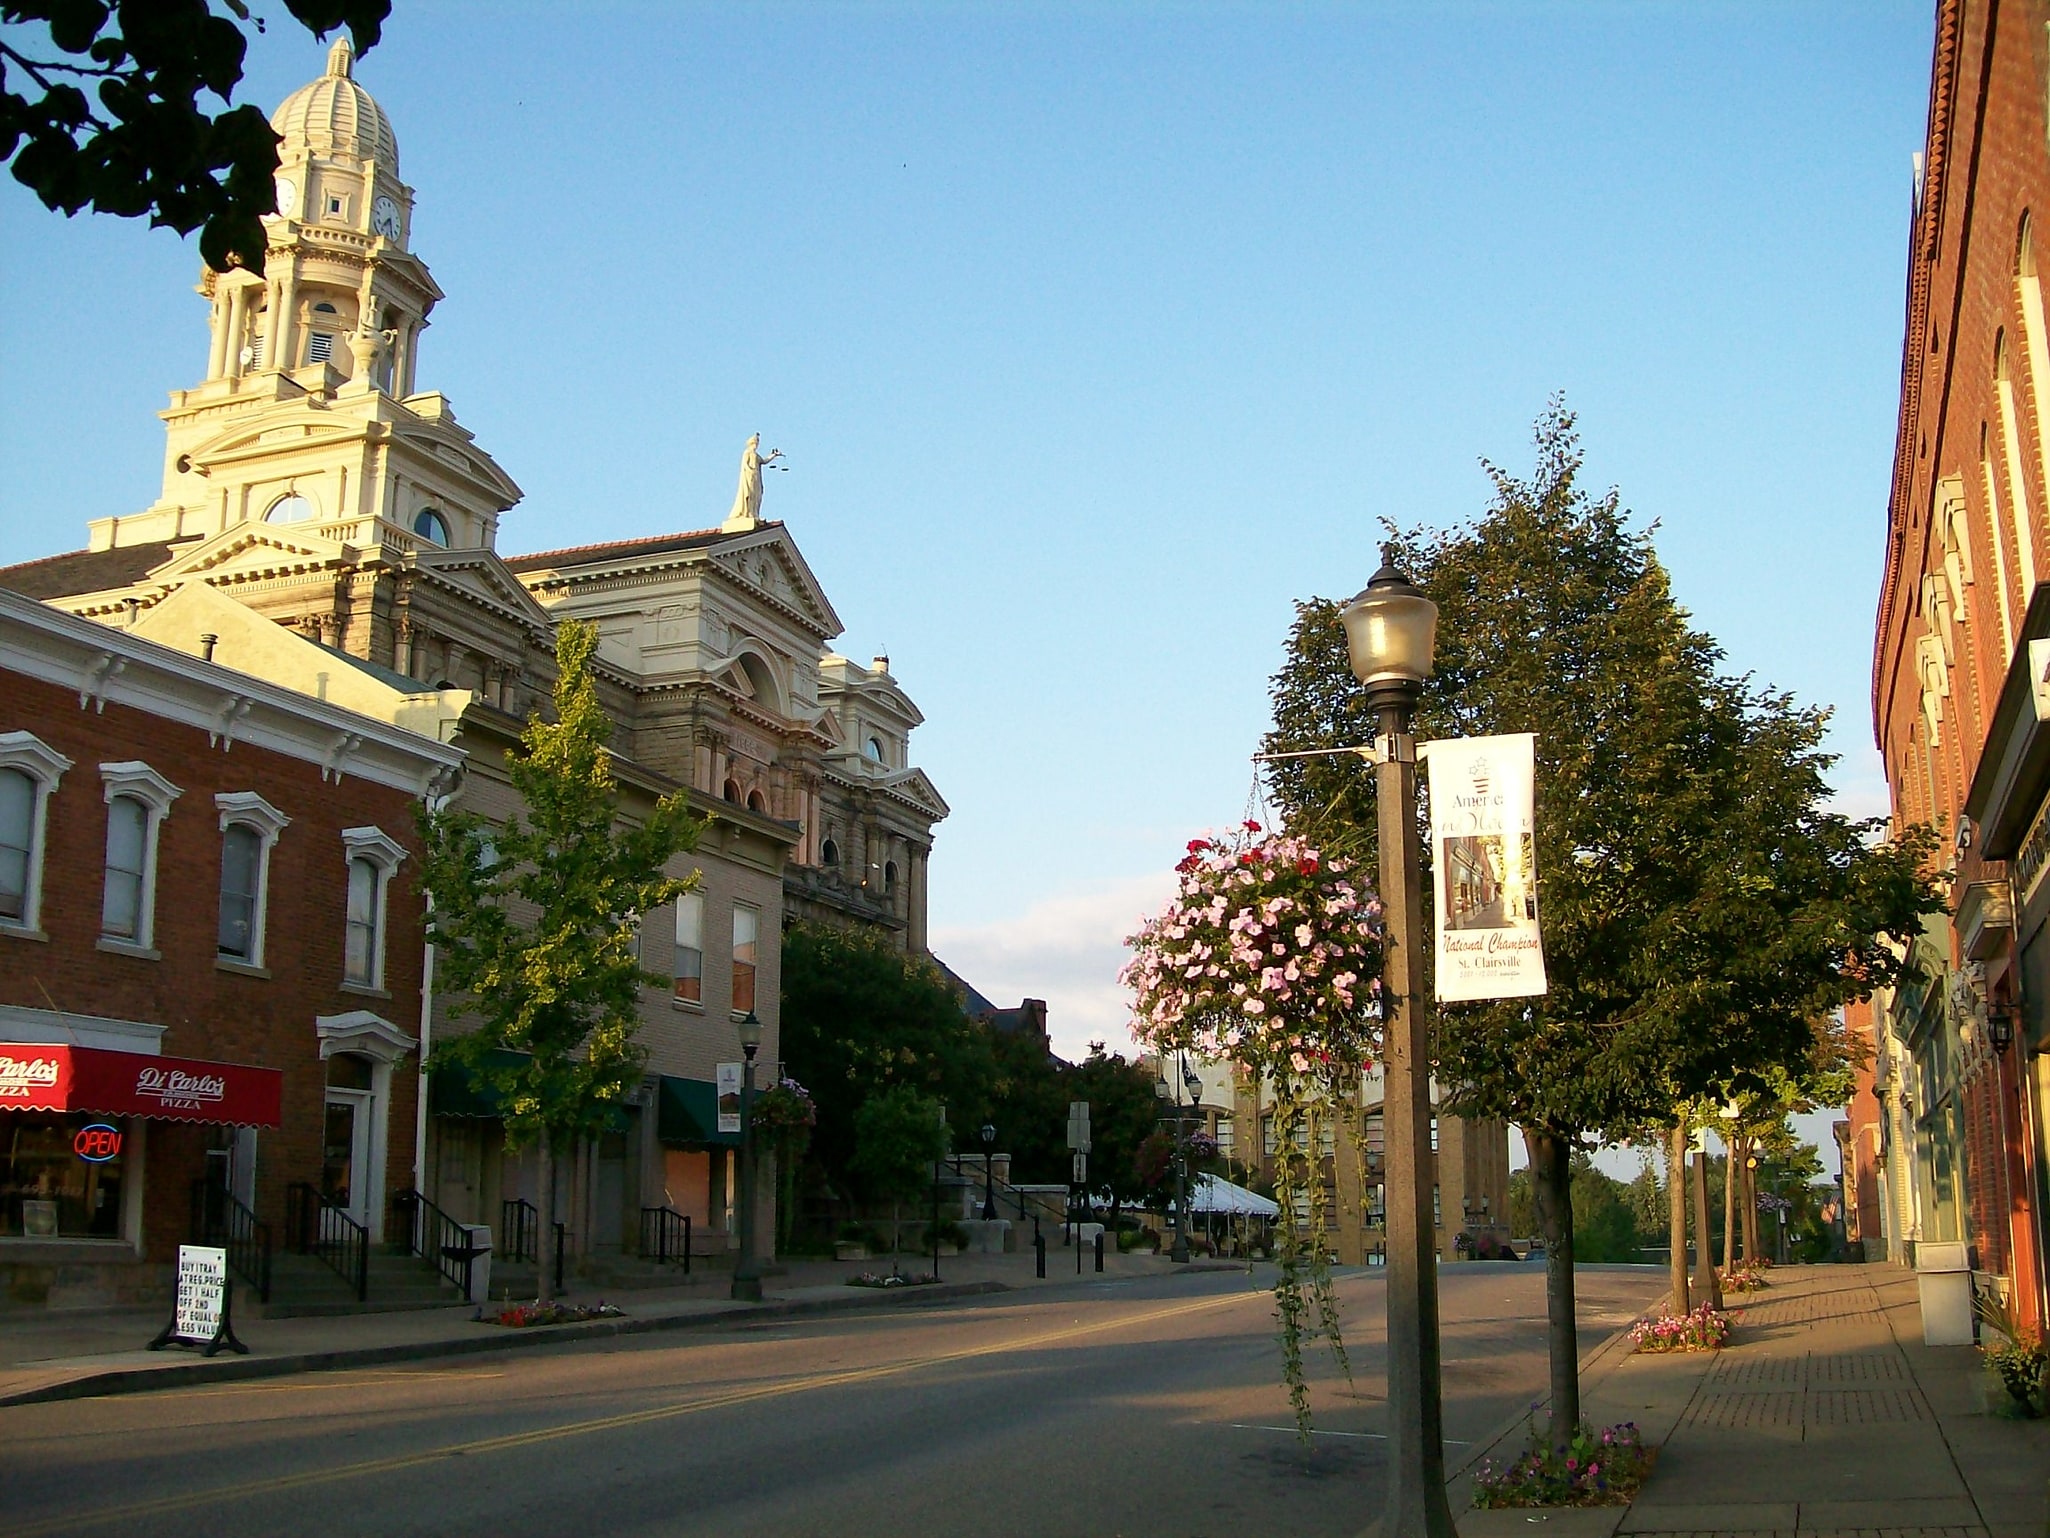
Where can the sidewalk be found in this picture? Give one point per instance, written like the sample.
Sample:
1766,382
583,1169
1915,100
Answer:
1827,1415
62,1355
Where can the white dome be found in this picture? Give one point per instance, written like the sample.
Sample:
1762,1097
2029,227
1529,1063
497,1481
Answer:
336,116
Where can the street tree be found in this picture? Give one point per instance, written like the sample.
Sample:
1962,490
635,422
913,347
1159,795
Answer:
860,1016
126,107
899,1135
535,928
1700,902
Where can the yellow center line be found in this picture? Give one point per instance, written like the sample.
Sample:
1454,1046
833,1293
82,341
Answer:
165,1505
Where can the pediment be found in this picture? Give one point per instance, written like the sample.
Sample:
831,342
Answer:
452,448
767,562
289,431
483,578
249,552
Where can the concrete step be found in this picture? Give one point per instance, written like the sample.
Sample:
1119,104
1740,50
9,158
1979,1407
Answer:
306,1287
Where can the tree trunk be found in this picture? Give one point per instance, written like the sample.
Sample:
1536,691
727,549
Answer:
1729,1205
1704,1258
1676,1217
544,1223
1551,1183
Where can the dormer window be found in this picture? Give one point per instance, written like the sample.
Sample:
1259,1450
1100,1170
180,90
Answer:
431,526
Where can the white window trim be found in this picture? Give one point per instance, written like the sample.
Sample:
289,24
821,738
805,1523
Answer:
685,901
44,766
137,780
247,809
384,853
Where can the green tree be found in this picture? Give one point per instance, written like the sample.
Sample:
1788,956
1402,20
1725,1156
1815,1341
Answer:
535,926
1604,1227
143,142
1028,1104
1700,903
860,1016
899,1135
1647,1199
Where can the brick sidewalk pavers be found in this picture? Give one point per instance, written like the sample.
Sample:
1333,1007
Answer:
1827,1417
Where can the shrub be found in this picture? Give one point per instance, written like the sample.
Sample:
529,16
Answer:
1594,1470
1745,1276
1138,1239
2018,1358
1705,1329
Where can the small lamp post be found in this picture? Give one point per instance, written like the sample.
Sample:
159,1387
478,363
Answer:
1390,632
989,1187
747,1274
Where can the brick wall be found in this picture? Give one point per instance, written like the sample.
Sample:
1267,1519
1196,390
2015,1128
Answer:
209,1011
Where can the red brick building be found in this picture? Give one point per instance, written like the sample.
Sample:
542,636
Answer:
207,900
1961,709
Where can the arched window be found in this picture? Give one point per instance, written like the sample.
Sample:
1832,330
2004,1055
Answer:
431,526
2018,501
732,791
371,856
873,750
291,509
829,853
889,875
755,802
18,796
138,800
250,825
29,772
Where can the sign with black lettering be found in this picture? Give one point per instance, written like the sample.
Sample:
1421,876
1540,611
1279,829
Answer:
200,1304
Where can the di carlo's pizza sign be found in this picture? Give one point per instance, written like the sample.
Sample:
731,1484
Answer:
37,1077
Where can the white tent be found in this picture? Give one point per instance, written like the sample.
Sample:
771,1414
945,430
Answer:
1212,1195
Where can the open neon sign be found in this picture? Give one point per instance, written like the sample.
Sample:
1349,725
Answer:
97,1143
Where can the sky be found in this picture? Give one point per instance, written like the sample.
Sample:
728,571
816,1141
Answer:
1098,336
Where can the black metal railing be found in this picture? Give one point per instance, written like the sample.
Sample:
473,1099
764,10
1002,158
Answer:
1028,1204
519,1229
665,1237
219,1219
318,1226
435,1236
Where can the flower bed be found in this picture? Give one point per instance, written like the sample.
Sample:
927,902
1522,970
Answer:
1706,1329
894,1279
521,1316
1745,1276
1594,1470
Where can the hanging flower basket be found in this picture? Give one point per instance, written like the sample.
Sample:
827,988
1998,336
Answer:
1268,957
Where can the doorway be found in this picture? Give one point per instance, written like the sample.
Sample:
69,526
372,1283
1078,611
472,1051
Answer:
346,1178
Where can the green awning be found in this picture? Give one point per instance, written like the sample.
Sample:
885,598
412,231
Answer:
687,1115
452,1091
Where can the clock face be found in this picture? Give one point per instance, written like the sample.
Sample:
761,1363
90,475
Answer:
384,218
288,197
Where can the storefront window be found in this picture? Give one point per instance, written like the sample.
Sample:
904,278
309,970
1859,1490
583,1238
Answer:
60,1176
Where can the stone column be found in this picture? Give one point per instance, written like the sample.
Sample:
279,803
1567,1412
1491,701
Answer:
223,318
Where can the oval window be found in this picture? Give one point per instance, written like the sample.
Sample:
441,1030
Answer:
430,525
292,509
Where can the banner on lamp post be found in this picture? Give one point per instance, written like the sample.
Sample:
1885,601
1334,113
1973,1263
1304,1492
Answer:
1483,820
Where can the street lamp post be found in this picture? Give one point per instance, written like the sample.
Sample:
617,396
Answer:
1390,629
989,1187
747,1273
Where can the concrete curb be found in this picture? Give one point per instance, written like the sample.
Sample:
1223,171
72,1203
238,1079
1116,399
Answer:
142,1380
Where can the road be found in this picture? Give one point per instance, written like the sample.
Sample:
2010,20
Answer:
1098,1409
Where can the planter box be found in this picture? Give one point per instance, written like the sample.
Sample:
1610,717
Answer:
849,1249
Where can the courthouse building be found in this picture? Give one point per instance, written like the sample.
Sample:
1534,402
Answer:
1950,1137
330,523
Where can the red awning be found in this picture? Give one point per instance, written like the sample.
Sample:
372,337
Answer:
39,1077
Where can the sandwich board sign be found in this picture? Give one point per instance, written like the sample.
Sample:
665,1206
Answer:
200,1306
